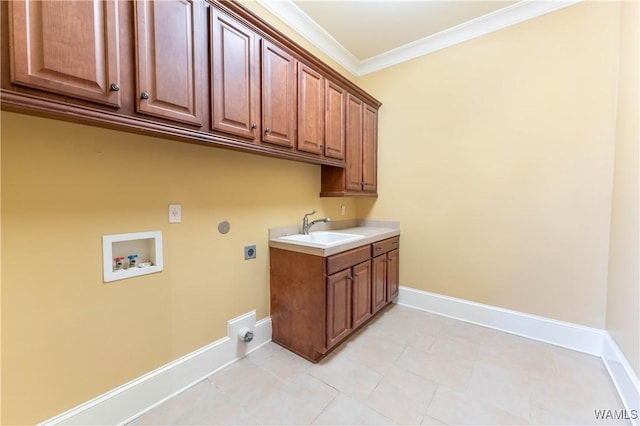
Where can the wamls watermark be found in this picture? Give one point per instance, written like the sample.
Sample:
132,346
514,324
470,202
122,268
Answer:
616,414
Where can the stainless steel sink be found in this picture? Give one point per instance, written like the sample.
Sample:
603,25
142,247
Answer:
321,238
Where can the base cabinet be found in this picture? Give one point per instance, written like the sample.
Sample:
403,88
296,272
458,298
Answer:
318,302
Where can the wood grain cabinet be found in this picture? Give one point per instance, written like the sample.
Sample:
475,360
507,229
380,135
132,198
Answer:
311,110
279,105
235,96
335,120
202,71
386,271
359,177
317,302
69,48
169,59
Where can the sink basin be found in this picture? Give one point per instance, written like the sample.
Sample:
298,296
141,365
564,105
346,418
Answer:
322,238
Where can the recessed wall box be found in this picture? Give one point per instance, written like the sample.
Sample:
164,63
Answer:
146,245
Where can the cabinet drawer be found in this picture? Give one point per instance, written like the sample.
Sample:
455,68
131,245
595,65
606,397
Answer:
384,246
349,258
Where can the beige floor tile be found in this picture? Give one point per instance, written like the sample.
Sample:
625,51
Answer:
199,405
283,364
245,383
298,401
455,408
405,367
504,388
442,369
345,410
373,352
346,376
402,396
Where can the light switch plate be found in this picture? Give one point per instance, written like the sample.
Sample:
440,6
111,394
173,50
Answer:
175,213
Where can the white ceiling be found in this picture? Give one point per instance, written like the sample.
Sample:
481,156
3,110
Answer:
368,35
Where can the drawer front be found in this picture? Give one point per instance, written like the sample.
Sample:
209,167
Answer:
384,246
341,261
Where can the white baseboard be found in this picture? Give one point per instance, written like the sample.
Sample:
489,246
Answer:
623,376
559,333
132,399
572,336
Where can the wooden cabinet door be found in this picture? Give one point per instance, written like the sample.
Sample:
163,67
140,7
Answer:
354,144
393,274
278,96
370,149
335,113
235,83
66,47
310,110
361,286
379,283
338,307
169,59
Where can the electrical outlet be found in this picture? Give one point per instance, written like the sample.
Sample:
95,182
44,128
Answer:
249,252
343,210
175,213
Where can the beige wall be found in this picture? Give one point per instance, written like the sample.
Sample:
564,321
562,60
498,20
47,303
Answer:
623,298
496,155
67,336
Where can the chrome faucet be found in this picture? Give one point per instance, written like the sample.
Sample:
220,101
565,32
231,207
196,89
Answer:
306,225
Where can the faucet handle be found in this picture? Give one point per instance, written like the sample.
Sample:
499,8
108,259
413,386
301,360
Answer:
309,214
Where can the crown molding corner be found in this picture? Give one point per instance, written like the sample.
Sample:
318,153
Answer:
290,14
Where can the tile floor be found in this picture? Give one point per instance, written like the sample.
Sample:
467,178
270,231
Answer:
405,367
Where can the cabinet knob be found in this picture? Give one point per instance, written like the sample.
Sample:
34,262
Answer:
321,146
144,95
114,87
350,278
254,126
267,130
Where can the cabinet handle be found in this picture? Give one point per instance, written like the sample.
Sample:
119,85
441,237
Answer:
350,278
378,248
254,126
395,243
144,95
114,87
267,130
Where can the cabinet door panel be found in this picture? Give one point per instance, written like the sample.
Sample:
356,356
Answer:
310,110
278,96
335,131
361,293
338,307
169,59
379,283
66,47
235,91
354,144
393,274
369,150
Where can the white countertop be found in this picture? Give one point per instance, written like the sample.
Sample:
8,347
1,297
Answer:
372,231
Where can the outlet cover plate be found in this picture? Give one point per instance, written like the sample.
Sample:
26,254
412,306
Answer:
249,252
175,213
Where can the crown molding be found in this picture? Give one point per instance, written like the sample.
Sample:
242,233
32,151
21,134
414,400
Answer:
516,13
294,17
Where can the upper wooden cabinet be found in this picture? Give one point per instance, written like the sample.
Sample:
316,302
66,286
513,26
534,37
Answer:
202,71
335,120
169,51
234,74
311,110
369,149
278,96
359,177
66,47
